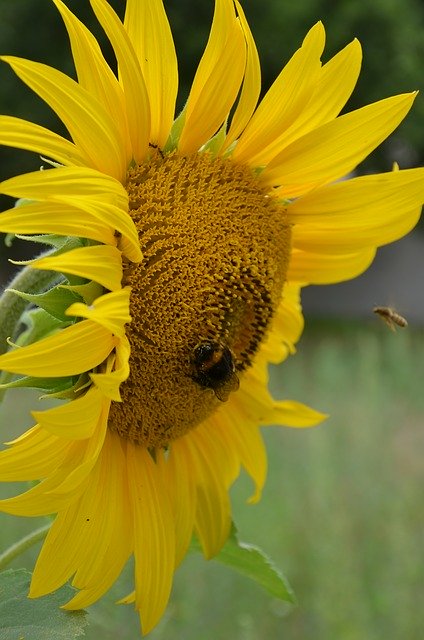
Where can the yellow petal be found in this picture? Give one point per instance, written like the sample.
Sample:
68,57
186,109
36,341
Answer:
110,214
205,114
150,34
154,543
101,196
94,74
78,348
105,523
66,481
32,456
63,181
289,413
286,327
182,492
21,134
39,501
75,420
111,311
222,26
246,439
73,534
348,215
320,268
131,77
100,263
251,84
264,410
335,148
110,381
49,217
213,512
335,84
283,102
92,129
59,555
76,473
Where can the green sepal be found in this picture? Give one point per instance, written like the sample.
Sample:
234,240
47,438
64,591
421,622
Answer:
176,129
70,392
253,563
88,291
21,202
9,238
51,386
39,324
214,145
36,619
61,244
55,301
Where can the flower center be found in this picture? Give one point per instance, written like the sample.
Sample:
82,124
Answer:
215,253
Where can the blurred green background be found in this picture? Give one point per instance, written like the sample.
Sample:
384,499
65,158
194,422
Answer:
342,512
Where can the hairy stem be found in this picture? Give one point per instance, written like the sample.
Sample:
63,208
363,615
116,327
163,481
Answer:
22,545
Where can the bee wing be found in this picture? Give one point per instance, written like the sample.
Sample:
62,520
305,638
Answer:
389,321
223,391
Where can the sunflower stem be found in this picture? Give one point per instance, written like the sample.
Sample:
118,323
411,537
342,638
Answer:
12,306
22,545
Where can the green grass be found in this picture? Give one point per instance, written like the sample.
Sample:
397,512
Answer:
341,513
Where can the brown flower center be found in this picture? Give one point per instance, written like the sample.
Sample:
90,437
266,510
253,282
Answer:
215,253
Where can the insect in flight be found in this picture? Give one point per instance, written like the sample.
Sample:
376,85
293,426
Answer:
215,369
391,317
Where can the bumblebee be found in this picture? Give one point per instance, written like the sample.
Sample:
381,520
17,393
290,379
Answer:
391,317
215,369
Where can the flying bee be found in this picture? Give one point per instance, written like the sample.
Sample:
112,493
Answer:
391,317
215,369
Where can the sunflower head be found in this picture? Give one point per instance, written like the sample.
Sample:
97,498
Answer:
203,296
177,249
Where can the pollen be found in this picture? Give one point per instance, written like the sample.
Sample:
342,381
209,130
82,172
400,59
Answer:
215,253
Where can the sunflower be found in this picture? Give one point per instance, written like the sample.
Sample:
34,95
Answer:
177,251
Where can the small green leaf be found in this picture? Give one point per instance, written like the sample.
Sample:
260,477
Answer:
88,291
9,238
22,618
60,243
55,301
215,144
39,324
48,385
176,130
22,202
253,563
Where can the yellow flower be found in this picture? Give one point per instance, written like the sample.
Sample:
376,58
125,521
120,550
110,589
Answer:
191,240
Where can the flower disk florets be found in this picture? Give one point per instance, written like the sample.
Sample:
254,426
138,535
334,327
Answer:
210,235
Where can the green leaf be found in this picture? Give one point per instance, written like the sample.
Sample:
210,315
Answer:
176,130
22,202
88,291
48,385
55,301
46,238
39,325
22,618
252,562
215,144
